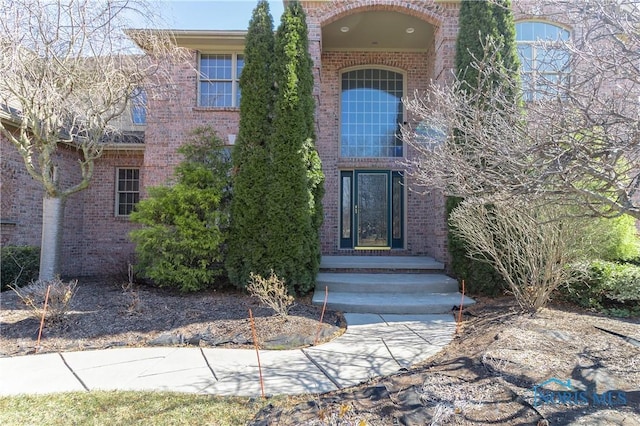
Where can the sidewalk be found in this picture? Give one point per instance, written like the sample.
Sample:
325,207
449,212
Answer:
373,345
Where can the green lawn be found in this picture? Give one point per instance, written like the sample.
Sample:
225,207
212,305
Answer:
127,408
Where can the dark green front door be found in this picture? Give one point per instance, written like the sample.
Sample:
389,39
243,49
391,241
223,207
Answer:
372,209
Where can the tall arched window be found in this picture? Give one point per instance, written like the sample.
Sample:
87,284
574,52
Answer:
545,63
371,113
139,106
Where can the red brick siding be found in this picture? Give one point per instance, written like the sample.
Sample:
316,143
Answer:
22,205
425,228
21,200
106,247
170,120
425,231
96,241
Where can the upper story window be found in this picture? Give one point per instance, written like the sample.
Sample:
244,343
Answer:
371,113
545,63
219,80
139,106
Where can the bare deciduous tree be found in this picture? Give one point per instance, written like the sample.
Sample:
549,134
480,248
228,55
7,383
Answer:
68,72
575,139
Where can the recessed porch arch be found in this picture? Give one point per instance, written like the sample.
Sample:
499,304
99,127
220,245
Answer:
379,27
424,10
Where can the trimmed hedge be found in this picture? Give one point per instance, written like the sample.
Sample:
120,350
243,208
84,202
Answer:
20,265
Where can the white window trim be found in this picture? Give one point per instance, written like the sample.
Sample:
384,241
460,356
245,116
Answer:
534,74
118,192
235,79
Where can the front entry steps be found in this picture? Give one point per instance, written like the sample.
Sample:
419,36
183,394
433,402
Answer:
387,285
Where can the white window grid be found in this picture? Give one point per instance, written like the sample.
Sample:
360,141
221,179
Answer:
219,81
544,64
127,190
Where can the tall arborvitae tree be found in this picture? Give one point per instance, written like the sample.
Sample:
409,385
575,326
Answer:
484,25
476,23
506,38
294,211
248,236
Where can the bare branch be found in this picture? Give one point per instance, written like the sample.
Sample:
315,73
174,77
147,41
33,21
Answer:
69,71
576,140
529,244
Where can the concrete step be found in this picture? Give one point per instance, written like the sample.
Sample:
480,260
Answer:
386,283
380,264
385,303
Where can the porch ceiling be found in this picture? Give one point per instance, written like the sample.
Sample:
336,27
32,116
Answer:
377,30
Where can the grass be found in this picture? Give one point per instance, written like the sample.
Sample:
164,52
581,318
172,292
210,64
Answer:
128,408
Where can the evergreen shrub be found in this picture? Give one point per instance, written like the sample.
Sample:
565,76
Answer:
293,207
20,265
252,172
612,239
479,21
609,287
181,243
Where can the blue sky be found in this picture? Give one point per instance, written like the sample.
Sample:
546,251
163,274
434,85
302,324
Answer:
213,14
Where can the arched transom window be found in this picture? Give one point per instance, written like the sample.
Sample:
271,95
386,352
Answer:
544,61
371,113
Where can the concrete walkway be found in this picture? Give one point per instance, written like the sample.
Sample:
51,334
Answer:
374,345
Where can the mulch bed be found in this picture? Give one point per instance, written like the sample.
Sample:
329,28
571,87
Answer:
104,315
487,375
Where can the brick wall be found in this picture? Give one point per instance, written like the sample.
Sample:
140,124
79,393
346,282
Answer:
21,200
96,240
104,243
171,118
425,228
22,205
424,225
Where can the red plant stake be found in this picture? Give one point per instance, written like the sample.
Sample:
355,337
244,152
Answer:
460,310
255,343
44,313
324,306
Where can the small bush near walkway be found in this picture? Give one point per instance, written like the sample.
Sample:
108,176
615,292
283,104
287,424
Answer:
33,296
271,292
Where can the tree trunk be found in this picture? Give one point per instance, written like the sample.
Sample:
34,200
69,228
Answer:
52,225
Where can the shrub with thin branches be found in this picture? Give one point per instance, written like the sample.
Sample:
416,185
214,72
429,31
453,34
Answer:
60,296
271,292
526,242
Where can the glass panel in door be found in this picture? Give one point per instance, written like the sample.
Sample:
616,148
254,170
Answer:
372,209
346,209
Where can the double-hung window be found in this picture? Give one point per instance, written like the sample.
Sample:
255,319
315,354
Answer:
127,190
544,61
219,80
